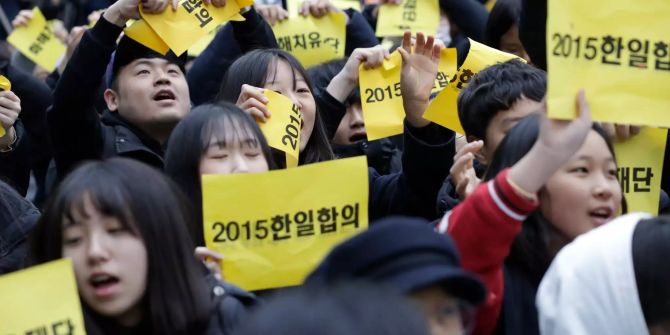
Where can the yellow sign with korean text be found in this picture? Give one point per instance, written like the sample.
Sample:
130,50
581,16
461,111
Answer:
620,56
274,228
313,41
41,300
640,167
37,42
417,16
294,5
282,129
192,21
443,110
141,32
381,99
446,69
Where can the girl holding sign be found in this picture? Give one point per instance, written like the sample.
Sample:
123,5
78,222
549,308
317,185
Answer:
133,264
549,182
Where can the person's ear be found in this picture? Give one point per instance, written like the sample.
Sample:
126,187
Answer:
111,99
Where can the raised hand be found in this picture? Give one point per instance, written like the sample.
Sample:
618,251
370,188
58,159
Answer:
419,68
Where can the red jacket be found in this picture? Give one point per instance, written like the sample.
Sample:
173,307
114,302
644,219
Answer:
484,226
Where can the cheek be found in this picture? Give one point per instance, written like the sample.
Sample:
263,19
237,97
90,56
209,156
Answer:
259,165
213,166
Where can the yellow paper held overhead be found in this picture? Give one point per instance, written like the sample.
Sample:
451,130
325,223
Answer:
620,56
191,22
313,40
446,69
141,32
417,16
381,99
640,167
37,42
282,129
274,228
443,109
41,300
293,6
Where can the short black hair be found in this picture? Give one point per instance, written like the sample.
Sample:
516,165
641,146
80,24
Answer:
147,203
496,89
189,141
252,69
503,16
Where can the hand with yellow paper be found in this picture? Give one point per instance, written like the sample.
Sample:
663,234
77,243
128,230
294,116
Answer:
35,39
272,13
346,80
318,8
419,69
123,10
253,102
10,108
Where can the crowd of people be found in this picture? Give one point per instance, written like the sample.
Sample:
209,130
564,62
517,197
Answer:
517,226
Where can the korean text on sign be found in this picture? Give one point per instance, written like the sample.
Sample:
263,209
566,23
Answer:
275,227
443,110
411,15
620,56
41,300
37,42
640,165
313,40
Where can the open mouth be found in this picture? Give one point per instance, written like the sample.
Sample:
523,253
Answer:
164,95
358,137
103,281
602,214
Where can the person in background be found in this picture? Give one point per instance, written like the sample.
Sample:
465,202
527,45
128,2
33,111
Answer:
502,28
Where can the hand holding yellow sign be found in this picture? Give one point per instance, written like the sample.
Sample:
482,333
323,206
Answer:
443,110
418,16
37,42
282,129
313,40
446,69
141,32
640,167
620,56
293,6
41,300
274,228
5,85
381,99
193,20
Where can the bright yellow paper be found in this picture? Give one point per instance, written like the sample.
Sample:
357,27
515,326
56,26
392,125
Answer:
141,32
635,91
313,41
640,168
417,16
247,215
5,85
443,109
282,129
381,99
490,4
42,300
191,22
294,5
37,42
446,69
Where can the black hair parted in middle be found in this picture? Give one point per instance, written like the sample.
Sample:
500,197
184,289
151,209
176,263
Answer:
504,15
496,89
252,69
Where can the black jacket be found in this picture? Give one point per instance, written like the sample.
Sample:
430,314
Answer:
17,219
15,164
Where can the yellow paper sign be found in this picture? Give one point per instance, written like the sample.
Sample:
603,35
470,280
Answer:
640,167
446,69
37,42
274,228
41,300
443,110
293,6
620,56
381,99
313,41
141,32
282,129
191,22
5,85
417,16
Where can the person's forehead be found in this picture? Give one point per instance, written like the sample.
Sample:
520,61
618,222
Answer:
281,71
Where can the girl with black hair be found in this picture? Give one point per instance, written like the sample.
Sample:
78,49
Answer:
548,182
133,264
502,28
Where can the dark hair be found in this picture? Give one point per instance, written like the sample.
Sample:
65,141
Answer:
496,89
504,14
354,308
176,299
322,74
651,249
189,142
252,69
531,250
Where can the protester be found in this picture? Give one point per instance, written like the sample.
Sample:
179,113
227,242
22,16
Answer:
134,264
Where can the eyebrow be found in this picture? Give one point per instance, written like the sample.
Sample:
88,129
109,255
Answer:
222,143
586,158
